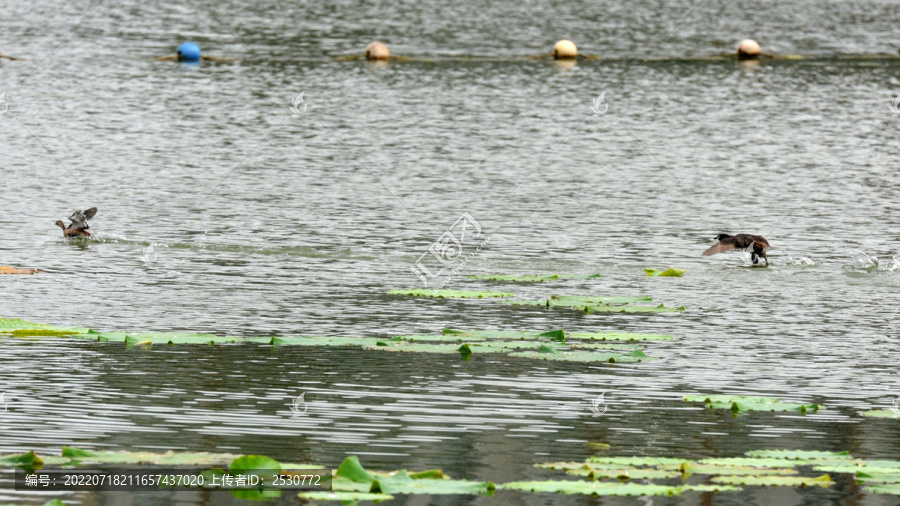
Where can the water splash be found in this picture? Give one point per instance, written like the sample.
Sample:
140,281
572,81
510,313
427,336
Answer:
802,261
862,260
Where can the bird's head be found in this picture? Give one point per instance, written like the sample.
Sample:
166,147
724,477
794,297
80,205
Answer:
722,236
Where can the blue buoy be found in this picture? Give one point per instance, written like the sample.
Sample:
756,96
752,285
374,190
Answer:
188,51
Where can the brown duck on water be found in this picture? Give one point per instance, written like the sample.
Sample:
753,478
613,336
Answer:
78,225
741,241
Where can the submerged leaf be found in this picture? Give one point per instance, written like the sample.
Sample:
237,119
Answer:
881,413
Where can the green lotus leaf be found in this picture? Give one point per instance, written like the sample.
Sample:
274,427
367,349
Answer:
593,488
352,477
883,489
781,481
671,272
27,460
13,324
424,348
738,404
327,341
618,336
799,454
624,474
450,294
710,488
884,475
601,346
667,462
255,464
79,456
344,497
751,462
880,413
689,468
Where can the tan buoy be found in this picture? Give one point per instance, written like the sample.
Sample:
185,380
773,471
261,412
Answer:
377,51
748,49
564,49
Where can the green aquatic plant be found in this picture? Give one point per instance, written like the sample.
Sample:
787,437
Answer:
77,456
780,481
351,479
881,413
671,272
450,294
739,404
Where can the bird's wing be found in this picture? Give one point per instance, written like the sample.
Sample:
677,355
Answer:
88,214
719,247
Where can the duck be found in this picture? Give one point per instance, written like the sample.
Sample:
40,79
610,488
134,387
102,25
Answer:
741,241
79,219
72,232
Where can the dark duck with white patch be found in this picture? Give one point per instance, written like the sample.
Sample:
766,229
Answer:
758,243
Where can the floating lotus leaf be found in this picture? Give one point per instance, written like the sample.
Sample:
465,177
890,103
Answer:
11,324
780,481
624,474
881,413
883,489
689,468
799,454
601,346
752,462
593,488
671,272
578,301
876,464
130,338
530,278
668,462
328,341
738,404
344,497
597,446
423,348
556,335
352,477
618,336
450,294
884,475
79,456
27,460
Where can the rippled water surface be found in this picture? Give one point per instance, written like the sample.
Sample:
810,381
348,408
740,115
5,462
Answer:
266,223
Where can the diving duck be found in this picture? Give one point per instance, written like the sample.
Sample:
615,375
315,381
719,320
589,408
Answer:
72,232
741,241
78,225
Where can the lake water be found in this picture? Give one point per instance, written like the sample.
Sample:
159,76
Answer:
267,223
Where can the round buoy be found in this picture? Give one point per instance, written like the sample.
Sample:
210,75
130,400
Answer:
377,51
188,51
564,49
748,49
